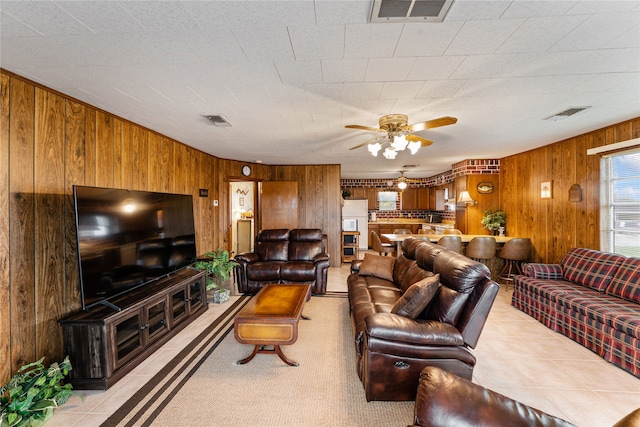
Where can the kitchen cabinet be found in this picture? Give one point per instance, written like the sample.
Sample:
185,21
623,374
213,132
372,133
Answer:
416,199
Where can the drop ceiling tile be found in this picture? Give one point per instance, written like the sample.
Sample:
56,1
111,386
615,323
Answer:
539,8
371,40
463,10
221,14
602,6
434,68
358,91
478,37
10,27
299,72
630,38
172,16
426,38
597,31
280,92
317,42
216,44
343,70
481,66
102,16
343,12
256,73
400,90
283,12
389,69
539,34
45,17
324,91
265,43
440,88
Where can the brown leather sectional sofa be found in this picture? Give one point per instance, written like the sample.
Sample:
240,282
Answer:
392,349
445,400
284,256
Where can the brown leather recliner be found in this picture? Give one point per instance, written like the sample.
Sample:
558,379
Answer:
391,349
284,256
446,400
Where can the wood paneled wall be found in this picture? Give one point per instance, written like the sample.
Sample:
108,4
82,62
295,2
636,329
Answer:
556,225
48,143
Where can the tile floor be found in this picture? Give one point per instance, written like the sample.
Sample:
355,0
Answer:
517,356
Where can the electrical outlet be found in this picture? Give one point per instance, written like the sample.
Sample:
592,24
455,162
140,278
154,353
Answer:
215,203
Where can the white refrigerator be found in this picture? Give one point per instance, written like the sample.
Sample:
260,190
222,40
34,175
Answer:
358,210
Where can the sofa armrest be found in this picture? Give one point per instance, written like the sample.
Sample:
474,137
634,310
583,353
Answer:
393,327
355,265
320,258
246,257
543,271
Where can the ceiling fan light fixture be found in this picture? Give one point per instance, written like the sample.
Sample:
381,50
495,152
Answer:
389,153
414,146
399,142
374,148
402,185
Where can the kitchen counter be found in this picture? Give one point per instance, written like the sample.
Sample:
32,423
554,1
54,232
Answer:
399,221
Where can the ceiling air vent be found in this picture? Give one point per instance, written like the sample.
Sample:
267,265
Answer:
566,113
218,120
409,10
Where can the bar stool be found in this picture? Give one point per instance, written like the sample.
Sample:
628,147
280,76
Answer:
426,230
378,246
452,242
514,253
452,231
482,249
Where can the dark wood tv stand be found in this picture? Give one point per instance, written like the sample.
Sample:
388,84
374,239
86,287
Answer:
104,344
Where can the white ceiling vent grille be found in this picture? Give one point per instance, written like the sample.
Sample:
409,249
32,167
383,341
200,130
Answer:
218,120
409,10
566,113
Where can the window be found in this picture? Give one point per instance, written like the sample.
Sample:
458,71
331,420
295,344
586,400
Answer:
620,203
387,200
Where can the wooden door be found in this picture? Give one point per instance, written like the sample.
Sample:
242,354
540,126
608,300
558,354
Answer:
279,204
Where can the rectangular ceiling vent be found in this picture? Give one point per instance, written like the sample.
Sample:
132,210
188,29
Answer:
566,113
409,10
219,120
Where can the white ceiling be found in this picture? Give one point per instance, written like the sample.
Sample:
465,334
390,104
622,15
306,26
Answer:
289,75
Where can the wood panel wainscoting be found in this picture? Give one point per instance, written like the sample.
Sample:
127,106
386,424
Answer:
48,143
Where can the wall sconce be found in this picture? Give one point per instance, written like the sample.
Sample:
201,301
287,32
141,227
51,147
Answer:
545,190
466,198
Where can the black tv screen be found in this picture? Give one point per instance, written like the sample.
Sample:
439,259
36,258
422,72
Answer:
127,239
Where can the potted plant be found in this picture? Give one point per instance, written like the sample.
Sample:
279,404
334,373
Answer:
494,221
30,396
218,267
346,193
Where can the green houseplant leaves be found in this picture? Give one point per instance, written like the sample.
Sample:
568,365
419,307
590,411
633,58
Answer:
30,396
218,267
493,220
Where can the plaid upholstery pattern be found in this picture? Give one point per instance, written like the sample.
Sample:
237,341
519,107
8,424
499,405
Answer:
606,323
626,283
543,271
590,268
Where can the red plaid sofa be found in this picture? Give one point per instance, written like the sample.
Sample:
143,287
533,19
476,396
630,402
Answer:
591,297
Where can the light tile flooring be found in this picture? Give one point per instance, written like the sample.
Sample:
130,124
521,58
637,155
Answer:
517,356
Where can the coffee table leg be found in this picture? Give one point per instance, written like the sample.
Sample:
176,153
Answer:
284,358
256,349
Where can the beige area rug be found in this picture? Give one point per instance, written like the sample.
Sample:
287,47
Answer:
205,387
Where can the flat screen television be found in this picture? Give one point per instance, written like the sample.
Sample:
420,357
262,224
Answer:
127,239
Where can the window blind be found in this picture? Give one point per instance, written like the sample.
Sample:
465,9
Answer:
620,203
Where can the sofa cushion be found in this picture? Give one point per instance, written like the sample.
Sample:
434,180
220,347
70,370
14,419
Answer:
273,245
378,266
304,244
626,282
417,297
297,271
264,271
590,268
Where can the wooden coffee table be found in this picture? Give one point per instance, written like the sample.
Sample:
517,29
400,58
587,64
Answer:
271,320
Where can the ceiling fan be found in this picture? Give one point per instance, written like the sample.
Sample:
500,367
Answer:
403,181
399,134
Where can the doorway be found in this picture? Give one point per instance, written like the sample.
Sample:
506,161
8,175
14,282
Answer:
243,215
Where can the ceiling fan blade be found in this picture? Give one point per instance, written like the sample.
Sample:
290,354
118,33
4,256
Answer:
365,128
423,141
430,124
367,142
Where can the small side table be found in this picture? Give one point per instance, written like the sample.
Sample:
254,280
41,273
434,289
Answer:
350,246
